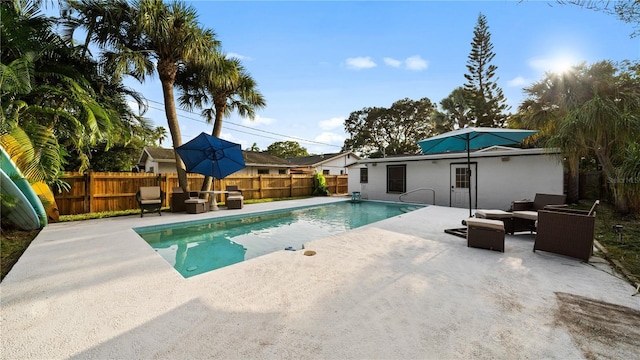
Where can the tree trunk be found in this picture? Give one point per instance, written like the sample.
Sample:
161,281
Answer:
167,81
614,182
573,182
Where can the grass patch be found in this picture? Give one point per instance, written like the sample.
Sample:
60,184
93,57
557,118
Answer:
626,248
13,242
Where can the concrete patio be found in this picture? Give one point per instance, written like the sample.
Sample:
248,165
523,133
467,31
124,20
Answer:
399,288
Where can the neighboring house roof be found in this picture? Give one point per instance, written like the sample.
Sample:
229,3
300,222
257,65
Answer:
264,158
315,160
157,154
251,158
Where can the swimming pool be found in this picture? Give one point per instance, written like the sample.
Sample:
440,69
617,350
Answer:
200,246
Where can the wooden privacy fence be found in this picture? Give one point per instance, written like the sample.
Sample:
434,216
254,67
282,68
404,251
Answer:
111,191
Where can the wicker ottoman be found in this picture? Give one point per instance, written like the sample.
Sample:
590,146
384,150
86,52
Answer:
235,202
485,234
195,206
505,216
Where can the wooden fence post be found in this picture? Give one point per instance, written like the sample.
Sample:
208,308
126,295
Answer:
87,193
92,190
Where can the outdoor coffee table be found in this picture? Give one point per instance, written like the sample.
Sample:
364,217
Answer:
213,204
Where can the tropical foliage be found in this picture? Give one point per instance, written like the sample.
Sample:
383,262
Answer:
145,37
287,149
593,111
320,187
56,102
456,112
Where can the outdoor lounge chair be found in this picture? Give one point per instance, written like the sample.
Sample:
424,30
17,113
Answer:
525,213
150,198
178,197
566,232
234,200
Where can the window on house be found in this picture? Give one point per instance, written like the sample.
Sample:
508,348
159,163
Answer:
396,178
263,171
341,172
462,180
325,172
282,171
364,175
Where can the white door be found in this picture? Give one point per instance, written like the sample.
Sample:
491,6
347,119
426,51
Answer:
364,191
460,184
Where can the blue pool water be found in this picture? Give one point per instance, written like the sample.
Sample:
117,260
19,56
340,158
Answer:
199,246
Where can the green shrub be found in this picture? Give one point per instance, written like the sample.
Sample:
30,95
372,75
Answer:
320,187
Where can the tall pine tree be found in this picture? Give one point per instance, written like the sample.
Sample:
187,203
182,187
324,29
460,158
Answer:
486,100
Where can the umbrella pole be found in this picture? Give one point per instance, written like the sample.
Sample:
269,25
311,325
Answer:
469,170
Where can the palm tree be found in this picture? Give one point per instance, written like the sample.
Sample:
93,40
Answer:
591,110
159,134
225,88
145,37
45,98
456,111
549,101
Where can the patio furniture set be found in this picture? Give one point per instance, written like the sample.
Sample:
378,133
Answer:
150,198
557,229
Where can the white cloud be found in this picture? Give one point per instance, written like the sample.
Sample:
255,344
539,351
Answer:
360,62
229,137
330,138
331,123
259,120
237,56
392,62
518,81
416,63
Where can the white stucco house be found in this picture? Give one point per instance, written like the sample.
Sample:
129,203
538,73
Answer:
326,164
499,176
161,160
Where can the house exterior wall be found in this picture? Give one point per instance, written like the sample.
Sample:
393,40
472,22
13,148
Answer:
499,182
335,166
253,170
159,168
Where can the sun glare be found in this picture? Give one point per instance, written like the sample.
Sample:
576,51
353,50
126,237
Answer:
560,66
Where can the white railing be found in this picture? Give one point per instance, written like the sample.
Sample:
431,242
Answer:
433,192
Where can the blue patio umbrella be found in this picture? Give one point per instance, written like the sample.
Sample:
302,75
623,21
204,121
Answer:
472,139
211,156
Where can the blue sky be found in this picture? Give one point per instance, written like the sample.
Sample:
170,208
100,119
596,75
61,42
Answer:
316,62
